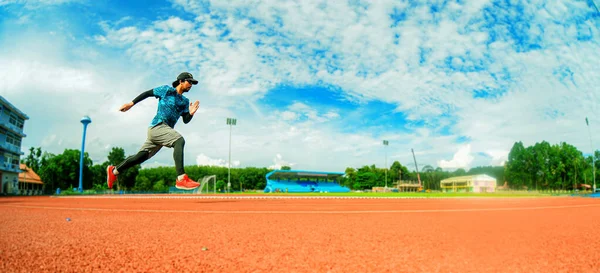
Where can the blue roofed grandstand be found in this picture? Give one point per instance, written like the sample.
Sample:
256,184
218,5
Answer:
304,181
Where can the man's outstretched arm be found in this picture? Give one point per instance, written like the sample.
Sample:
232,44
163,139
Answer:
187,116
137,99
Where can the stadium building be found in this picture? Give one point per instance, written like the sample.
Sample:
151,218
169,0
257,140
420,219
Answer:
471,183
11,134
303,181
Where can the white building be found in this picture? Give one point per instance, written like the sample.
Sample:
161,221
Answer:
471,183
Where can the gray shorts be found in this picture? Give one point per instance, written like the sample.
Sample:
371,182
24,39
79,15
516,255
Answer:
159,136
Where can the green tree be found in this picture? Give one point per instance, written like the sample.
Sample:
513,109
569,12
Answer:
160,186
127,179
516,165
429,176
33,160
366,177
62,171
350,178
546,167
99,176
399,172
142,183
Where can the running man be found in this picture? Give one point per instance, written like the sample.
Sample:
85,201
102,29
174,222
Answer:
171,105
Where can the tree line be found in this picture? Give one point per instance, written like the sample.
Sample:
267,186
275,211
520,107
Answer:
549,167
62,171
541,166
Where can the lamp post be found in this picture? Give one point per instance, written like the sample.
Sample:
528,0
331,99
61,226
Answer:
231,122
385,143
85,120
593,155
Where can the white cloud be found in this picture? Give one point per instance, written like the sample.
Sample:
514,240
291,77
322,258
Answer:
462,159
55,78
499,157
56,92
298,110
35,4
289,115
332,115
204,160
298,106
155,164
316,26
428,65
279,162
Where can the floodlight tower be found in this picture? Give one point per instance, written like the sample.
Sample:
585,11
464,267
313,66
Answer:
593,155
386,143
231,122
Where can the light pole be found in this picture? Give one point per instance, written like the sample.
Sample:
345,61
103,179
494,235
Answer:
593,155
85,120
231,122
385,143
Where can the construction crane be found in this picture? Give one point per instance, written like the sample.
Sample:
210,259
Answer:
417,168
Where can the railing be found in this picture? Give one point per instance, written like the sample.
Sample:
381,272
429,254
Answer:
11,148
9,167
12,127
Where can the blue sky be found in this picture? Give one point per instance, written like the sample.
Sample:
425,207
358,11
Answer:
314,84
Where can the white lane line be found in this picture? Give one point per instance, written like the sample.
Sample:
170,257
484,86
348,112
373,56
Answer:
303,211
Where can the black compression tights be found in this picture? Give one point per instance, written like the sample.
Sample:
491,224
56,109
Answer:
133,160
178,155
142,156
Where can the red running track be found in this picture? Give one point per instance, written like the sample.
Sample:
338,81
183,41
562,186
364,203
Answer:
299,235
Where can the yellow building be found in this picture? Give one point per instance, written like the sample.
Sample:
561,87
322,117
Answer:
471,183
30,182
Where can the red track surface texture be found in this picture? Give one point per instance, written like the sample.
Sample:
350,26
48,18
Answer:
299,235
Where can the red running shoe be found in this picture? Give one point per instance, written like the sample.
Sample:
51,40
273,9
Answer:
186,183
110,176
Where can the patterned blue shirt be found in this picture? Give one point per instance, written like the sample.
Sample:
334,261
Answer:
170,106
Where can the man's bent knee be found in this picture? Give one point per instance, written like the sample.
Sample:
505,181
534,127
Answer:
145,155
179,141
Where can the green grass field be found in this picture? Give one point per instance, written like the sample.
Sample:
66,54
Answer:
515,194
415,194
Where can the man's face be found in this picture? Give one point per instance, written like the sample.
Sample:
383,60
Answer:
186,85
